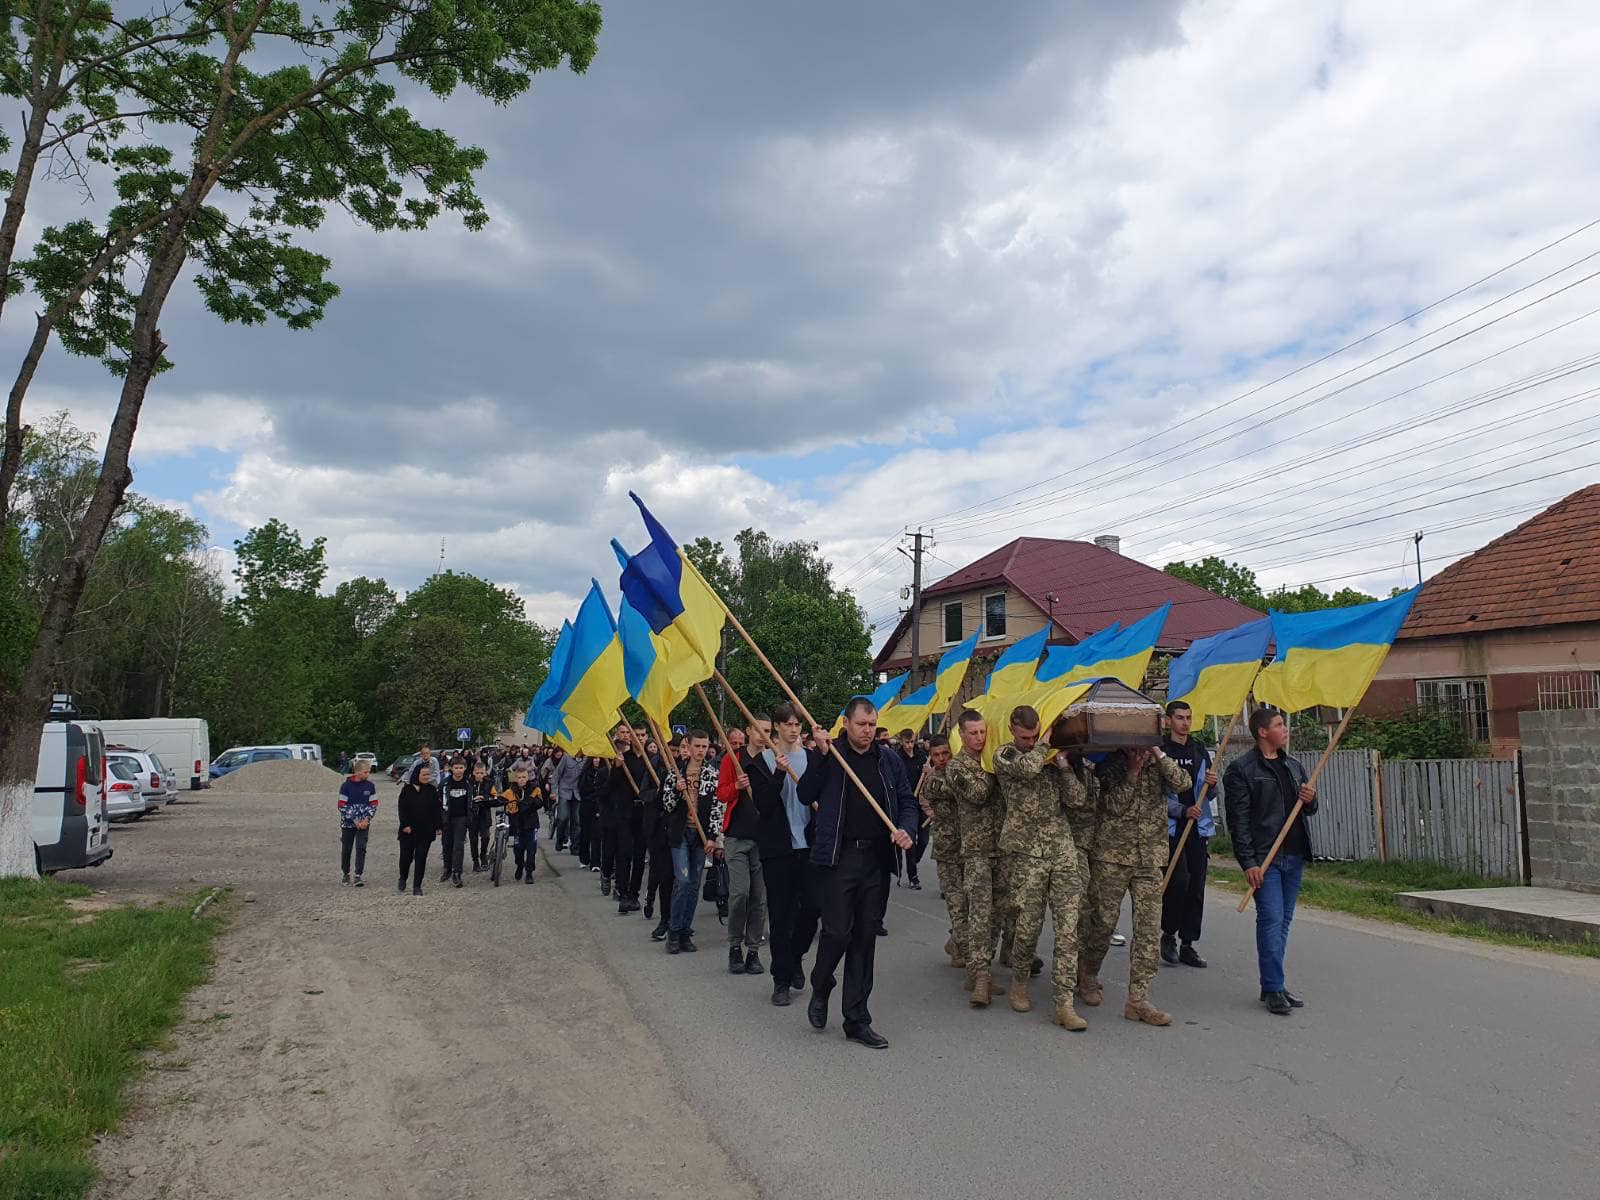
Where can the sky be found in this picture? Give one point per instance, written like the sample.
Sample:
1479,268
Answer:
1286,283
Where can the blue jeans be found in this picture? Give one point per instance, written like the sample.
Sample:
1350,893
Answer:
688,862
1280,888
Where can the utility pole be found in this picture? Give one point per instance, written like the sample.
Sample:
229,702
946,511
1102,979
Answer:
1050,598
915,555
1418,541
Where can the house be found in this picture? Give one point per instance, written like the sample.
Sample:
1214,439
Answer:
1076,587
1512,627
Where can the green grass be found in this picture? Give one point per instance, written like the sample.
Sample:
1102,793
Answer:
1367,889
81,997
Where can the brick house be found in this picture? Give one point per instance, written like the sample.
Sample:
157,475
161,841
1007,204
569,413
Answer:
1510,628
1076,587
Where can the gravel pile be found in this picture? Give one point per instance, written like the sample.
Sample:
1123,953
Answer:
281,776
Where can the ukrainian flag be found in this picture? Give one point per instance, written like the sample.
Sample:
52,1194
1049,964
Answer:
1058,660
597,681
679,606
909,712
880,698
1014,670
1049,700
1124,655
1330,657
543,714
1213,676
952,672
646,661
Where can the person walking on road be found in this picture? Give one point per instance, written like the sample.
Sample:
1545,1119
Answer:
564,780
748,790
358,802
850,855
695,785
1183,904
457,801
420,819
1260,789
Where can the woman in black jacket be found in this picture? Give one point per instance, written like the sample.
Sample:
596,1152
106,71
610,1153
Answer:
421,818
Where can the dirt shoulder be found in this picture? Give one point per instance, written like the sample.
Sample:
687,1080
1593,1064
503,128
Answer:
362,1043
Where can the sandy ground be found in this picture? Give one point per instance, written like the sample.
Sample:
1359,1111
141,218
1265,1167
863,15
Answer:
362,1043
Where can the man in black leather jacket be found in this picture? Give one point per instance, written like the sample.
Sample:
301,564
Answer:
1260,789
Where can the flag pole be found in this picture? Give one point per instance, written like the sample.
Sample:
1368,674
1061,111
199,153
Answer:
694,817
1333,744
722,734
792,698
632,782
749,718
1200,798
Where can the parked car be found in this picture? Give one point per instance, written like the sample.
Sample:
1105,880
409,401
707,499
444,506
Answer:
70,825
231,759
308,751
402,765
182,742
148,771
125,796
367,757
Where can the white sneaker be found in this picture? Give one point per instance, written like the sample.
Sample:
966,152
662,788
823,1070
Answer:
1118,940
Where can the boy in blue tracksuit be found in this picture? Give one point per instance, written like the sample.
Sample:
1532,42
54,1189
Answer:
358,802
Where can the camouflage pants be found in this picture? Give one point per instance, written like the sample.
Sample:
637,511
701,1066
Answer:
983,877
1108,884
1055,882
955,899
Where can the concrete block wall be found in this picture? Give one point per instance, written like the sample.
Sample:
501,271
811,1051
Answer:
1561,784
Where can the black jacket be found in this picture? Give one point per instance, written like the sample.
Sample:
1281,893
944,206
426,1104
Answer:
418,807
593,782
826,785
1256,807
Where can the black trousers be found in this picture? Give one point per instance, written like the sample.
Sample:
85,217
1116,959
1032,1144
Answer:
631,853
479,832
455,843
610,847
791,911
660,855
414,852
914,855
589,834
350,836
1185,901
850,897
525,843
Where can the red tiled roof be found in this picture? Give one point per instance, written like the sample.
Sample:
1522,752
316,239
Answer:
1093,587
1546,571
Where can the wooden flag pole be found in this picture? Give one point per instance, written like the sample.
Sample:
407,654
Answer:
749,718
1333,744
683,798
632,783
722,734
795,700
1205,790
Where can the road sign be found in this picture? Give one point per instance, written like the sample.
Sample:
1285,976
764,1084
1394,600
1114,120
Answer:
463,735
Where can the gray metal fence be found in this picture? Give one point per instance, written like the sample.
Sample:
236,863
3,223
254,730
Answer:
1457,812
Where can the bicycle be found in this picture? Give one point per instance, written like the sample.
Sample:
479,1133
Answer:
497,850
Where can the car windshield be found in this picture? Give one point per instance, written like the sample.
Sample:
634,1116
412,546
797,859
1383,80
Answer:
262,755
155,761
234,758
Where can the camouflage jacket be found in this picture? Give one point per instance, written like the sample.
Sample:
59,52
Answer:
1035,823
1133,811
1080,796
979,804
944,835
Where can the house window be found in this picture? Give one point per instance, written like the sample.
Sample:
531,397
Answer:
1466,699
952,623
994,615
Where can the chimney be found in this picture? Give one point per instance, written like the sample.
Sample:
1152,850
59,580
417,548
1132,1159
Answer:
1109,541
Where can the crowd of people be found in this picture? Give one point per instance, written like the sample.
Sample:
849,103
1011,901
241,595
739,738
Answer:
793,837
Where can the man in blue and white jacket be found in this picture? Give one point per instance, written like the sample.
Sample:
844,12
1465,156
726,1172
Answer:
1183,905
358,802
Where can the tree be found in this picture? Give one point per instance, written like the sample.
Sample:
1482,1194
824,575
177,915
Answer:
221,133
1238,582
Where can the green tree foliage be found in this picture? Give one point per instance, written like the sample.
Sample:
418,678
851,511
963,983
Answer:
1238,582
1411,733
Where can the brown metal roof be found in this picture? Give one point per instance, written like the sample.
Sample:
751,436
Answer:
1546,571
1093,587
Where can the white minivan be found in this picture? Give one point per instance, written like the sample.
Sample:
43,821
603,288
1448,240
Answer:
184,743
71,827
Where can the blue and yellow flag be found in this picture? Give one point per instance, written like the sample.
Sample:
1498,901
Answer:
1014,670
909,712
1330,657
1058,660
543,713
880,697
1049,700
952,673
679,605
1124,655
1213,676
647,661
597,683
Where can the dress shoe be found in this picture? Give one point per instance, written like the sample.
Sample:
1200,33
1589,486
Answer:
798,983
868,1037
518,875
1067,1017
752,964
880,930
1190,957
659,932
402,885
417,890
1142,1010
528,878
686,943
735,961
1277,1003
780,996
672,942
444,876
1294,1001
817,1010
649,906
1169,950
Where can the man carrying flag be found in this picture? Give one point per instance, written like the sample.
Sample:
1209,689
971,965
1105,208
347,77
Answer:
1183,903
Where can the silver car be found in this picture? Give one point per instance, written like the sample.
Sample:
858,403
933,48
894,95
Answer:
157,785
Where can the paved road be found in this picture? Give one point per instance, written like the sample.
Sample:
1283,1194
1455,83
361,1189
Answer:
1423,1067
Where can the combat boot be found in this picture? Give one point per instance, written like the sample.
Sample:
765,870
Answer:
981,985
1020,1000
966,984
1067,1017
1142,1010
1090,991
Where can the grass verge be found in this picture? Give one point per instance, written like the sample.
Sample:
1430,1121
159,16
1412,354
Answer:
81,996
1368,889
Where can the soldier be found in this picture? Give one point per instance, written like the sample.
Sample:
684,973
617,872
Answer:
1042,862
1130,856
1081,799
978,801
939,805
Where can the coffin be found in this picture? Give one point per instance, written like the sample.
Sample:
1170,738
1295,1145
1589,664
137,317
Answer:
1109,716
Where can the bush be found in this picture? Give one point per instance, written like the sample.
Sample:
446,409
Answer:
1415,733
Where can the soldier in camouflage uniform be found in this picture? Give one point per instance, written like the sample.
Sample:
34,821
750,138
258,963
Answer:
1081,799
1042,862
1129,856
978,802
939,805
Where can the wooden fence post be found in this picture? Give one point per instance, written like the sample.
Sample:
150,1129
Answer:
1377,802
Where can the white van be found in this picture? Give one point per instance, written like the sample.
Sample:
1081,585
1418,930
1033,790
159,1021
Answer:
306,751
71,827
183,743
